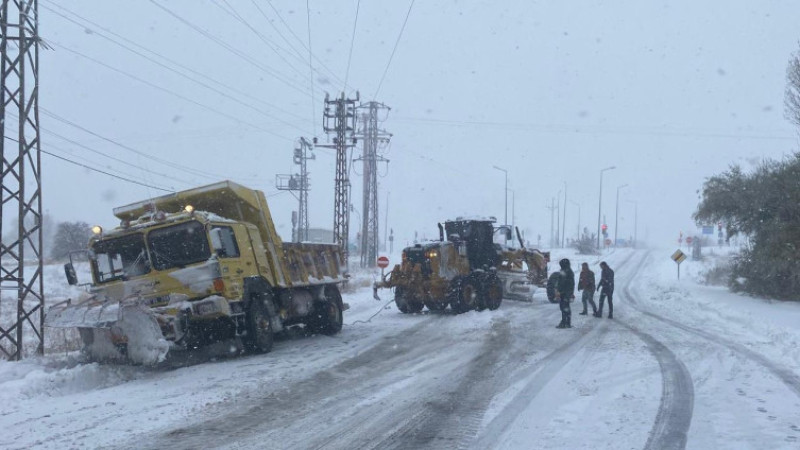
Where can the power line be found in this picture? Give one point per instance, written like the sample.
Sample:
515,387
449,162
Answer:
393,50
97,170
113,158
310,67
575,129
352,41
166,66
230,48
186,169
308,48
168,91
271,45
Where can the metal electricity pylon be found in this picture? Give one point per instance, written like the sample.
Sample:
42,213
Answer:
299,183
338,118
373,138
20,178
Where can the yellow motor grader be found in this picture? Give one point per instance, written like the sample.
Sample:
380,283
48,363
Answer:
466,271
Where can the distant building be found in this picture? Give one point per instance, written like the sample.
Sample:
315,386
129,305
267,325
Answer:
320,235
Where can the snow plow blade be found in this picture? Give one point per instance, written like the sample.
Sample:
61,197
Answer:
113,330
517,286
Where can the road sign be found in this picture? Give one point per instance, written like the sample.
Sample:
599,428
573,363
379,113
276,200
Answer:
708,229
679,257
608,242
383,262
689,240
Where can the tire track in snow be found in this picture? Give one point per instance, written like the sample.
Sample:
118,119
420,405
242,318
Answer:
545,370
674,417
787,376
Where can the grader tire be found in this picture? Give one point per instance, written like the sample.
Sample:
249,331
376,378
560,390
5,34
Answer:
466,295
492,292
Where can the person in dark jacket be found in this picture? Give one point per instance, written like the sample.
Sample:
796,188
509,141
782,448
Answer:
565,293
606,287
587,285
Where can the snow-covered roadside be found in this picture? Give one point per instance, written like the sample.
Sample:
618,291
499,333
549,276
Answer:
769,326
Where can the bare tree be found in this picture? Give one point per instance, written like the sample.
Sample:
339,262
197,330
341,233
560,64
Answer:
70,236
792,95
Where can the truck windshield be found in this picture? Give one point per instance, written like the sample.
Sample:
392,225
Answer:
178,245
120,258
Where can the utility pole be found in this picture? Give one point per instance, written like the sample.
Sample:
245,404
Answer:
338,118
298,183
371,137
20,176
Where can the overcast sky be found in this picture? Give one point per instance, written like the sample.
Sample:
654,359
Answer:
668,92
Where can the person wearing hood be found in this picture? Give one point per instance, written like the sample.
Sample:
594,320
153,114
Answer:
565,293
587,285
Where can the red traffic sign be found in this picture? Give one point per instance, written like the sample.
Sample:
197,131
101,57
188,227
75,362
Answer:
608,242
383,262
688,239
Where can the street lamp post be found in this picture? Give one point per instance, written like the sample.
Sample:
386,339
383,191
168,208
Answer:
600,203
506,193
616,215
635,222
564,227
578,228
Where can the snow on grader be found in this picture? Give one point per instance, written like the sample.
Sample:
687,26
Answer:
467,271
196,268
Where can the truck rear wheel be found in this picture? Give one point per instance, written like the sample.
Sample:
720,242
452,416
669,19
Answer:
259,337
405,302
329,313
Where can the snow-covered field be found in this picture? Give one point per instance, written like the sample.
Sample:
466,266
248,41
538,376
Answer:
681,364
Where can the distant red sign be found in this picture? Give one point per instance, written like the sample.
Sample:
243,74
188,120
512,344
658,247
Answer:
383,262
688,239
608,242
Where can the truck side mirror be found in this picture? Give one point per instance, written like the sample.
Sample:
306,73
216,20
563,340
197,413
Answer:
69,271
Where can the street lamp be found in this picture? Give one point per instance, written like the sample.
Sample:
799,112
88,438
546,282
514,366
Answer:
600,203
635,222
579,219
506,192
513,209
564,227
616,214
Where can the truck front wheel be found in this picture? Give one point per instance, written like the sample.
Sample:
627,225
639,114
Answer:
259,337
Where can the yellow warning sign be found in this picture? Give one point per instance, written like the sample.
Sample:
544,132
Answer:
679,256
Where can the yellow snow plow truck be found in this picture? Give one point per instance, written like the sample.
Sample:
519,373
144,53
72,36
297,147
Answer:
466,271
197,267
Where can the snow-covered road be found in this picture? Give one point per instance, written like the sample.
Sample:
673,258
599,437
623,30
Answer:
681,366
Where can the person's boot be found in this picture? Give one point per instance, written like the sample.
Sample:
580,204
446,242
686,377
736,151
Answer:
569,322
610,315
583,313
561,325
